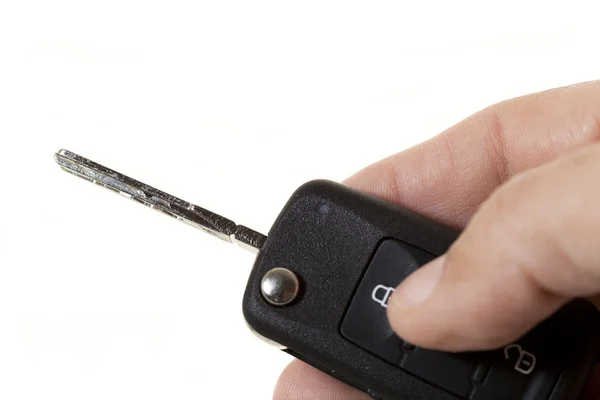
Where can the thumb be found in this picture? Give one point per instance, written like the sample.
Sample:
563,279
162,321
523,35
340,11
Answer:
531,247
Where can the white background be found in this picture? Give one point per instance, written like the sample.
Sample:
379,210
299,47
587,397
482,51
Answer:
230,105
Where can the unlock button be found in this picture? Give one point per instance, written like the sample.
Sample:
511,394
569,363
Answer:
520,371
525,363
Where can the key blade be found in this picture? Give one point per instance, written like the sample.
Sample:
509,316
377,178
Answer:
191,214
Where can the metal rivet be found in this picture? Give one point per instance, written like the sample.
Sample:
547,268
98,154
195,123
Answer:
279,286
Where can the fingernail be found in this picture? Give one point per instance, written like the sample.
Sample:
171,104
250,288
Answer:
419,286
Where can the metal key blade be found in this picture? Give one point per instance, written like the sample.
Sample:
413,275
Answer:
191,214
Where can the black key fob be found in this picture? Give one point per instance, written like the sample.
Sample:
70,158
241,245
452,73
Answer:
320,284
322,279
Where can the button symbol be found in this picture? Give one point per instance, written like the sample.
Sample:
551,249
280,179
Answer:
526,361
386,290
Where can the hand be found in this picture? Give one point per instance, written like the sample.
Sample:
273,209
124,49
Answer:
522,178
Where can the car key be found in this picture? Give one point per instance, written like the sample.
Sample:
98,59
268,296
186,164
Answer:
321,281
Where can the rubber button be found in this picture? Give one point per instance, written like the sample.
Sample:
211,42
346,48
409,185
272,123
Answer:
451,372
366,323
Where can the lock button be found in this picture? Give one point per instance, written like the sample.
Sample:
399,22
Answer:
366,323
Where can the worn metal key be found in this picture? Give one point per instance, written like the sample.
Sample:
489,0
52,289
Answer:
191,214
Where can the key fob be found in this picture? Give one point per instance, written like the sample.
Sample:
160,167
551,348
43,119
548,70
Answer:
339,253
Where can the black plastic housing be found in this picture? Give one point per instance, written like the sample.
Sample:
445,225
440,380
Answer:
327,234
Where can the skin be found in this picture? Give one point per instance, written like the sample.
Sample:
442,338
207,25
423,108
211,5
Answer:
522,180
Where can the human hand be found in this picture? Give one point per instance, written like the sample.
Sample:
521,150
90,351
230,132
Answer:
522,179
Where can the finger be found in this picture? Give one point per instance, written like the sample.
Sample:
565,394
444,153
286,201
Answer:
531,247
447,177
300,381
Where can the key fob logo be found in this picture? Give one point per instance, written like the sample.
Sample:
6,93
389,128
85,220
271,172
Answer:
381,294
525,361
